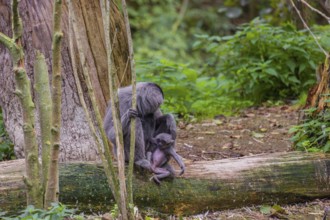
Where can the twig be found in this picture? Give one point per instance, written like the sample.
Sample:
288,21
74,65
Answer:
15,51
316,10
115,111
133,73
114,40
181,15
122,78
307,27
256,140
187,145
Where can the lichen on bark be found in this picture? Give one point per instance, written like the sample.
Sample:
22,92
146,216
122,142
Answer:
44,104
52,191
23,91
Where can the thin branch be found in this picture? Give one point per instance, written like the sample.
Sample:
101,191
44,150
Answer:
15,50
114,40
105,156
44,103
7,41
307,27
16,22
183,10
316,10
132,140
52,190
122,78
115,111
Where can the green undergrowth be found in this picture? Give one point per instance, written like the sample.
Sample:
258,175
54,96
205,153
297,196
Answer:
56,212
265,62
313,133
6,146
59,211
187,92
259,64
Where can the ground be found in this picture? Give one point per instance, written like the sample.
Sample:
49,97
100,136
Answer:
254,131
314,210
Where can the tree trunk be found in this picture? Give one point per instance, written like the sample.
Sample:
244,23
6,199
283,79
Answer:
279,178
76,140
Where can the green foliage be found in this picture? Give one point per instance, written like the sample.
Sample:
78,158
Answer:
301,101
260,63
6,146
276,12
264,62
312,134
266,210
155,36
114,212
56,212
152,29
187,92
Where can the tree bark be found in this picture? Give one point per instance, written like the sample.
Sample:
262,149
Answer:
23,92
76,139
44,104
317,95
279,178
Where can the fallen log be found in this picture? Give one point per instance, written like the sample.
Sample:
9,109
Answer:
279,178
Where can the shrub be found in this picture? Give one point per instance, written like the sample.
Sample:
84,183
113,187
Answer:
186,91
312,134
57,211
264,62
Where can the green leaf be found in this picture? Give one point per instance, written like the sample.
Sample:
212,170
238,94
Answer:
291,64
313,149
277,209
212,46
271,71
286,46
266,210
294,79
302,67
312,63
226,38
326,148
197,44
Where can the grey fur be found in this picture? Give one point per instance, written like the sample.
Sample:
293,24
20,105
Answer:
149,121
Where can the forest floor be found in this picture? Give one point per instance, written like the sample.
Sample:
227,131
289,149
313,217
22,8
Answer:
254,131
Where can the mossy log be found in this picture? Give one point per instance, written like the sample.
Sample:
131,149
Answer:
279,178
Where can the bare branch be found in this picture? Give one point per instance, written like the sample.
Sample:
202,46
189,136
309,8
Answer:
44,103
315,10
15,51
115,111
132,140
52,190
310,31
